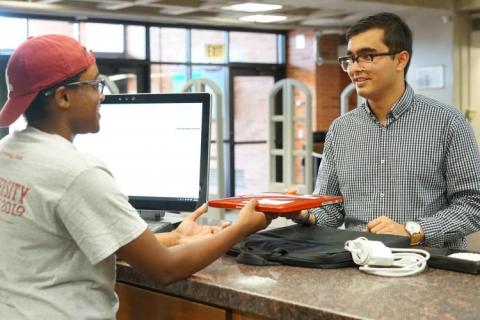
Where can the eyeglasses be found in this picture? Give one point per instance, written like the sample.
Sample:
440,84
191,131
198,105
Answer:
99,85
362,59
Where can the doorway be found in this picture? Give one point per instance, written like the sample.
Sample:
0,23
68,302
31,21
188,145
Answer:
248,129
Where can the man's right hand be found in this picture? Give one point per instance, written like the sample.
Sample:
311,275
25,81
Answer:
291,190
298,215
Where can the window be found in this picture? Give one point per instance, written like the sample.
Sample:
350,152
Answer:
168,44
14,32
136,42
125,82
42,27
103,37
253,47
208,46
167,78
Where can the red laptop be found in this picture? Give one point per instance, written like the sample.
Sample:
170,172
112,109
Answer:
276,202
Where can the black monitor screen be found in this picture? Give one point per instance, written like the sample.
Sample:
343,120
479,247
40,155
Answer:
156,146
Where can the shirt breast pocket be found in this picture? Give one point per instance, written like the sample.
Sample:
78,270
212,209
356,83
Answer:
425,163
356,177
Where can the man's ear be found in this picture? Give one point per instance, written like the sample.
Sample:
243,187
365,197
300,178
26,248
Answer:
61,98
402,58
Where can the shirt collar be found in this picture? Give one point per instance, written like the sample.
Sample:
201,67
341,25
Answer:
402,104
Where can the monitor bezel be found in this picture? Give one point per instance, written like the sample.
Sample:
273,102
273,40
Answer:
174,204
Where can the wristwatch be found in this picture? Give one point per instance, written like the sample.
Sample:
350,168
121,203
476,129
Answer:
416,233
305,219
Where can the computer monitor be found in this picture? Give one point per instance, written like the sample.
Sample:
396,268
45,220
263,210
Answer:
156,146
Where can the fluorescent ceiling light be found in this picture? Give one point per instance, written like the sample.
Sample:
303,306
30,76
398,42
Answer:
253,7
263,18
48,1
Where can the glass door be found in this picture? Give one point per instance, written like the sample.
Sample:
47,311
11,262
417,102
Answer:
249,88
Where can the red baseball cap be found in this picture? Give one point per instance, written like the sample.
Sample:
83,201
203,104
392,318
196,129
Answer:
40,63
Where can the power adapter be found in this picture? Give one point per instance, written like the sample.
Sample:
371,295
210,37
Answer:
367,252
376,258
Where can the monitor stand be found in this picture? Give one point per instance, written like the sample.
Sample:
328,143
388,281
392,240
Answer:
151,215
160,221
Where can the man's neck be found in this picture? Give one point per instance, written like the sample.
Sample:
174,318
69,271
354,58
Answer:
382,106
56,129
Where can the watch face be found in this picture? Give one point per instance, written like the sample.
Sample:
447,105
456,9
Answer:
412,227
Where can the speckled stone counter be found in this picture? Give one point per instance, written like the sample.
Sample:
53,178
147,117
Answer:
282,292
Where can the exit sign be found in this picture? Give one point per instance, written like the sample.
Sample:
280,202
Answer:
215,52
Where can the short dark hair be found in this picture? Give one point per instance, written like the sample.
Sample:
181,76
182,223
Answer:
397,34
37,109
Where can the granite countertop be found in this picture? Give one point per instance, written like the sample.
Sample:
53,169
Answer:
283,292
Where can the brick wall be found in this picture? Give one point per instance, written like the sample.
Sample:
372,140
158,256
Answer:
326,81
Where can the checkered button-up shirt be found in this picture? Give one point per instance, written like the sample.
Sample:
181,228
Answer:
422,165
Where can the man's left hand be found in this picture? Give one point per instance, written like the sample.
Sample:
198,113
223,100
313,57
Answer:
385,225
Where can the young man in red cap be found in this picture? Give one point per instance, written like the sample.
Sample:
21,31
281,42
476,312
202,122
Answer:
62,217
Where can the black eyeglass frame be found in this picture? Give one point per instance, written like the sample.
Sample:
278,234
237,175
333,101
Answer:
363,57
99,84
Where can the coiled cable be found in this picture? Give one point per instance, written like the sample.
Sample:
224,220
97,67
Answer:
376,258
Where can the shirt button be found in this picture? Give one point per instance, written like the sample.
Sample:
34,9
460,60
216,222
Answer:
382,161
382,195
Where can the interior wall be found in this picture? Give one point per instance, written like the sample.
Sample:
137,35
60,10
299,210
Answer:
474,239
475,81
432,47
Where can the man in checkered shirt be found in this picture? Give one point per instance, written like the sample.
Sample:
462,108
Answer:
404,163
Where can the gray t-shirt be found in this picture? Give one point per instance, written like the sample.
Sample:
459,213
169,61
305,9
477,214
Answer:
62,218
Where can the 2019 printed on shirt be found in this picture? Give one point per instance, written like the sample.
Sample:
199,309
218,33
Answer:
12,195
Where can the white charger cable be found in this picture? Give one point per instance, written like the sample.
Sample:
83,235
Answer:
376,258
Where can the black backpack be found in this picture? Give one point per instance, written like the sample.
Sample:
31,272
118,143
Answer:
305,246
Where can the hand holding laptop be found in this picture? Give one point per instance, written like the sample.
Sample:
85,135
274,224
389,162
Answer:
279,203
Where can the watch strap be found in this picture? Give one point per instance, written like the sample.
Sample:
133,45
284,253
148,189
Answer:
416,238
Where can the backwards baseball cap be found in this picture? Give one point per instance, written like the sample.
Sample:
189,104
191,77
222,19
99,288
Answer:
37,64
